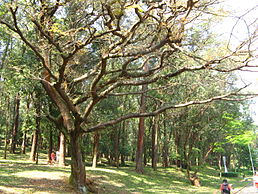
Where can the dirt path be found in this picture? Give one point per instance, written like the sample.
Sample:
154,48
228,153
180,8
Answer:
249,189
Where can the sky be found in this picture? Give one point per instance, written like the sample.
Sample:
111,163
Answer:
240,32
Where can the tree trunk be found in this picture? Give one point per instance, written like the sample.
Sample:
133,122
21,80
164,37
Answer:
165,146
140,140
177,140
155,129
16,124
68,150
7,127
50,145
35,134
6,141
219,165
139,153
34,145
123,139
61,157
23,148
95,149
24,139
78,173
116,147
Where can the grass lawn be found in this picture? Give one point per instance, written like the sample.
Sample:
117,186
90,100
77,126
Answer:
19,175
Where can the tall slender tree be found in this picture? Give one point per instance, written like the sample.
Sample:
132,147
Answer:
15,127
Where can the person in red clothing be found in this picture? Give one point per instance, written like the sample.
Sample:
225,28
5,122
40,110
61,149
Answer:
225,187
255,180
53,156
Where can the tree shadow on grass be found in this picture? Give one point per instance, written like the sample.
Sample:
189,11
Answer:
27,178
19,167
33,185
126,180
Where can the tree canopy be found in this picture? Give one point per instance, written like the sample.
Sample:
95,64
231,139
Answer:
104,63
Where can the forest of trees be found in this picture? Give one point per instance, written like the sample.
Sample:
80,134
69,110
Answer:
142,81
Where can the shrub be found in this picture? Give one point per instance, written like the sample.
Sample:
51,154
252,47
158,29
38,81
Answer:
248,172
229,174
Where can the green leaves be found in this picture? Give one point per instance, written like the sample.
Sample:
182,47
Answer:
242,139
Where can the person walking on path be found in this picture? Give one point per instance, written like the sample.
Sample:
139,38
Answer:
255,180
225,188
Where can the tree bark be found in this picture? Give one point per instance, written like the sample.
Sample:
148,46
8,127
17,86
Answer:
140,141
116,147
95,149
155,129
7,125
165,146
123,139
139,153
23,148
6,140
50,145
78,173
16,123
34,146
61,157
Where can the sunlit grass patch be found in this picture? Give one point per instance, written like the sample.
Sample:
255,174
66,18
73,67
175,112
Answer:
36,174
24,176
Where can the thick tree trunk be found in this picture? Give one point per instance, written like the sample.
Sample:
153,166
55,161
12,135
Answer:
61,157
95,149
78,173
140,140
16,124
155,129
139,153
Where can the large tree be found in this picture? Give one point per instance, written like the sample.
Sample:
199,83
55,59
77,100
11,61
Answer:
90,51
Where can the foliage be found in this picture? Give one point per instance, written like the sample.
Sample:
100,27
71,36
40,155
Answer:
94,58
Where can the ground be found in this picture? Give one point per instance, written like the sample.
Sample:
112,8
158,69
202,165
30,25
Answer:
250,189
20,176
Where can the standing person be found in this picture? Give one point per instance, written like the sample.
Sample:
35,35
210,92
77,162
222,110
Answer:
225,188
53,156
255,180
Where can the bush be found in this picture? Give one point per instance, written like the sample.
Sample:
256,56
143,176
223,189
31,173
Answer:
229,174
248,172
245,172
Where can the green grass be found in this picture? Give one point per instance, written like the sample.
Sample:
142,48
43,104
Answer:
164,180
19,175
